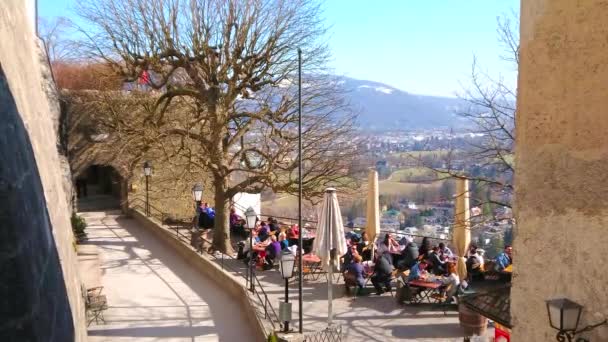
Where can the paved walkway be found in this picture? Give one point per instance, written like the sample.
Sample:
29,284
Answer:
153,295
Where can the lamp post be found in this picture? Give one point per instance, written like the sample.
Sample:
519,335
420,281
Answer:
287,263
147,173
251,217
300,248
564,316
197,194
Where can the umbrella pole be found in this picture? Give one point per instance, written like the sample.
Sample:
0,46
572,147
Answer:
330,272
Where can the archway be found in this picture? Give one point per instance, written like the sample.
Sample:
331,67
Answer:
99,187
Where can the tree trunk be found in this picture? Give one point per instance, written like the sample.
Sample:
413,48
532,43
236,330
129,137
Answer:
221,231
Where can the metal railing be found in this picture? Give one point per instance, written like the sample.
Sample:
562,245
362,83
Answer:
313,224
258,290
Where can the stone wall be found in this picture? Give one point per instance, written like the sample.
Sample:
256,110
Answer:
40,286
562,165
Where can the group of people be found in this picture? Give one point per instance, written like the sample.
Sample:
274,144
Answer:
269,235
421,261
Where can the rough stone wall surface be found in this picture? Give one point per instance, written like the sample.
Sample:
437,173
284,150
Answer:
26,70
562,165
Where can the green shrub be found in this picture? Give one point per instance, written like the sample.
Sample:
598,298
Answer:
78,227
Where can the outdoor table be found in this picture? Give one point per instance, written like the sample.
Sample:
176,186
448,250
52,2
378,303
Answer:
426,290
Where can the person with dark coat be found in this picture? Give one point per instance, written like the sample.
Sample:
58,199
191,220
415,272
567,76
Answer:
206,216
382,274
364,247
437,266
425,248
410,255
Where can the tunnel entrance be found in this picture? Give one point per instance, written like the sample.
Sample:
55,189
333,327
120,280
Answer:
98,188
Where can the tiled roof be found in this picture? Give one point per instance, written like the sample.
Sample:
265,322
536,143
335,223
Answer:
493,303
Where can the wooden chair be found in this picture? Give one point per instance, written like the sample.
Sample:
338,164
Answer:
95,304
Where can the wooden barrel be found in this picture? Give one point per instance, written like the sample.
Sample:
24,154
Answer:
471,322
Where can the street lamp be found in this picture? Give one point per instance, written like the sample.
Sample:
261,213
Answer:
564,316
147,173
197,194
287,263
300,248
251,217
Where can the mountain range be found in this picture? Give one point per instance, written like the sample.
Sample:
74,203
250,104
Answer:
383,107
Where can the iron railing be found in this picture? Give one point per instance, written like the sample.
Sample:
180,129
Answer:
333,334
313,224
270,313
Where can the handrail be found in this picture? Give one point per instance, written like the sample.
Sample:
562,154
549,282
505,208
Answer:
269,312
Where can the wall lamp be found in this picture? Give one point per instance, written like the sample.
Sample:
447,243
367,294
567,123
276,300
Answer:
564,316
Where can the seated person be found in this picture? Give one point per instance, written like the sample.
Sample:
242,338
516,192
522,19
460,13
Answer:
437,266
425,248
382,274
364,247
388,246
504,259
293,234
273,224
355,274
348,258
451,282
474,266
418,270
263,232
409,255
283,240
445,252
273,250
236,222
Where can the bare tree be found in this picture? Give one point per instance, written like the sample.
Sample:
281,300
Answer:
54,33
227,102
491,110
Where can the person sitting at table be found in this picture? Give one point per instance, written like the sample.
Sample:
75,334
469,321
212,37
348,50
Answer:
409,254
237,224
273,250
382,274
387,247
417,271
364,247
348,257
355,274
273,224
504,259
292,235
437,265
451,282
445,252
283,240
263,232
425,248
474,264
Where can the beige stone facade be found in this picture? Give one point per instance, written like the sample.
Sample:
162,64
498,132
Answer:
562,165
26,68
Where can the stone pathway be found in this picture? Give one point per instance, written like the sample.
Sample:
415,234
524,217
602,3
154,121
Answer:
154,295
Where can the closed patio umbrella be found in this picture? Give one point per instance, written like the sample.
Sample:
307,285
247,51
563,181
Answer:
462,225
330,242
372,226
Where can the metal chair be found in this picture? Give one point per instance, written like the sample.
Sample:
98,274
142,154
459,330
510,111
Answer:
95,304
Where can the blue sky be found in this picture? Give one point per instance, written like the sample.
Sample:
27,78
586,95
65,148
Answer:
420,46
